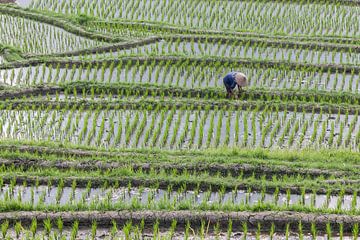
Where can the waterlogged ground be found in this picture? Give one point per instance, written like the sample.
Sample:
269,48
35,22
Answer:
187,77
290,18
148,234
65,196
36,37
237,50
182,129
23,3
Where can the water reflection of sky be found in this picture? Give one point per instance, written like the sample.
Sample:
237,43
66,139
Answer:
23,3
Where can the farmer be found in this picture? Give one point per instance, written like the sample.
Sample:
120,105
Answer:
232,79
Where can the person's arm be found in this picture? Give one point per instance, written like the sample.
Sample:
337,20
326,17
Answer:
240,88
229,92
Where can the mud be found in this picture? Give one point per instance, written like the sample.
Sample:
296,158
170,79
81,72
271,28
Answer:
71,152
233,170
104,233
202,185
7,1
105,218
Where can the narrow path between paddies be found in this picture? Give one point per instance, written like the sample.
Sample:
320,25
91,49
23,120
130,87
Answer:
231,169
105,218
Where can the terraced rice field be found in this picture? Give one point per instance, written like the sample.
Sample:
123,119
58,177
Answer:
115,123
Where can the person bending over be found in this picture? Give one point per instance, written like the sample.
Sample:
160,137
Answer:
233,79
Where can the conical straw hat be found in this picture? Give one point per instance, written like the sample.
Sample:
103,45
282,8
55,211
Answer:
241,79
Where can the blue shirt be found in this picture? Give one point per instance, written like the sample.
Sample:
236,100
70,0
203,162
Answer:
229,80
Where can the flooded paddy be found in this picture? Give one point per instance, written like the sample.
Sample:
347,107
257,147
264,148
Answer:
37,37
236,50
68,196
182,129
181,76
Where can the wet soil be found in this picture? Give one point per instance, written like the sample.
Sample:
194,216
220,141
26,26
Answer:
233,170
7,1
280,219
202,185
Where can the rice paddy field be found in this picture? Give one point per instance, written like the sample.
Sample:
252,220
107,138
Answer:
115,123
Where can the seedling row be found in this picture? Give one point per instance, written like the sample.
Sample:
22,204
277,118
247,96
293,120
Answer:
235,50
183,129
290,18
56,229
36,37
182,74
39,196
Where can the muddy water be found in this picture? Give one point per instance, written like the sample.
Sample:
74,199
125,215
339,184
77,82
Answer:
64,196
141,128
180,76
148,234
235,51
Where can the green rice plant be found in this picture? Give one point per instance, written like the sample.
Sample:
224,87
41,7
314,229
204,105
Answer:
127,230
172,229
341,231
114,229
218,128
354,202
74,230
47,226
59,192
328,231
340,199
272,231
229,229
244,230
301,234
93,229
287,231
156,231
313,231
355,231
211,129
33,227
60,226
258,232
18,229
4,228
187,230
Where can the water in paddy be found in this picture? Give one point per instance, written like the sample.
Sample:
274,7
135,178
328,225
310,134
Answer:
186,77
67,195
85,233
238,50
39,38
290,18
181,129
24,3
